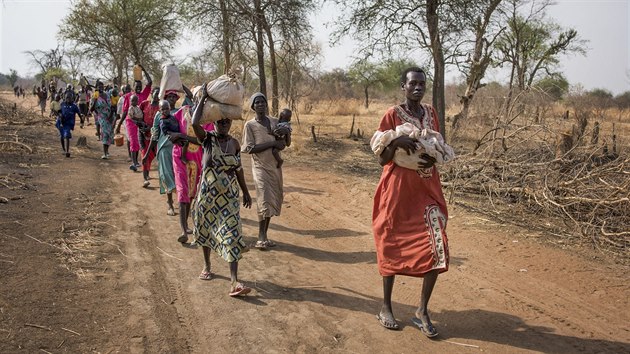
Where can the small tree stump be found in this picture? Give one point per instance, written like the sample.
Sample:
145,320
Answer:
313,133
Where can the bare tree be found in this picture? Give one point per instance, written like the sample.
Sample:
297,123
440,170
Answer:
485,30
532,45
407,27
47,60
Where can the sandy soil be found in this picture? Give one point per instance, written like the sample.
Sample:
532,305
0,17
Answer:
89,262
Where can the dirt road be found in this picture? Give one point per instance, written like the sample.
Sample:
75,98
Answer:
89,262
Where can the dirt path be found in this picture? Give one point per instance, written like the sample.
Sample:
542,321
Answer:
318,291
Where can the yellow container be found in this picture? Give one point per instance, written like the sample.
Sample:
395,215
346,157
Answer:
95,95
137,73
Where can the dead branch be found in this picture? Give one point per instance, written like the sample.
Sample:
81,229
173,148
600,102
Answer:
30,149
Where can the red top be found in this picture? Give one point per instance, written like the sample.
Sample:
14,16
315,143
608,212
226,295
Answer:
142,96
409,213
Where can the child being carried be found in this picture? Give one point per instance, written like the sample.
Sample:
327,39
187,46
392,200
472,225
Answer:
168,125
284,121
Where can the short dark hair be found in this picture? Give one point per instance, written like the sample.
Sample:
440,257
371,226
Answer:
413,69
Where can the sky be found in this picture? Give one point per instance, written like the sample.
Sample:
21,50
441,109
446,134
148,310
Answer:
33,24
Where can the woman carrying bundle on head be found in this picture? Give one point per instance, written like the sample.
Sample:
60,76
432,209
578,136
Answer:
216,211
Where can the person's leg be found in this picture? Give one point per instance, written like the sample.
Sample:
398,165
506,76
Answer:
236,288
183,154
261,230
188,230
276,155
67,147
427,289
234,273
169,201
268,242
205,273
386,316
63,146
183,220
134,159
105,151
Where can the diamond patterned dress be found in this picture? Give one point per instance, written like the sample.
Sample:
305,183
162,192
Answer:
216,209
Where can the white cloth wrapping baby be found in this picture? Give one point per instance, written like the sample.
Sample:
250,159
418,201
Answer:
429,142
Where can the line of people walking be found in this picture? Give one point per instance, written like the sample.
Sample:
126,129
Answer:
201,163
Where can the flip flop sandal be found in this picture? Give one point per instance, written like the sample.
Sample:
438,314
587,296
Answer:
205,275
182,239
239,290
428,329
261,245
384,323
170,212
269,243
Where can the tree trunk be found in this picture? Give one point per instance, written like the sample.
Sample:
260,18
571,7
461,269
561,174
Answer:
367,97
260,48
274,68
438,63
478,65
227,64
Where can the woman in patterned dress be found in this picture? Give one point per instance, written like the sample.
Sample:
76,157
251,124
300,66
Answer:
216,210
409,213
100,108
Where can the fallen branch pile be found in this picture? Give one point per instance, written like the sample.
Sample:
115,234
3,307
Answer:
583,195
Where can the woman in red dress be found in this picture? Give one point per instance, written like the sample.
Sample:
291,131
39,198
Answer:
409,214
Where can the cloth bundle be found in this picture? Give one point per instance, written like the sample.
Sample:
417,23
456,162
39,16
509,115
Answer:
429,142
170,80
226,99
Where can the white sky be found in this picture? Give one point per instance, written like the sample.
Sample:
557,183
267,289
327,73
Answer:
33,24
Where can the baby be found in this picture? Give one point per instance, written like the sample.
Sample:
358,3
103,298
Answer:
428,142
135,113
55,106
168,125
284,121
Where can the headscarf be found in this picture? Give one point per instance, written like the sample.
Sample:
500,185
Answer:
169,92
253,98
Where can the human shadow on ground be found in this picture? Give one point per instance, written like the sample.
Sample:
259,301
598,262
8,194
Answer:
327,256
473,324
507,329
314,233
301,190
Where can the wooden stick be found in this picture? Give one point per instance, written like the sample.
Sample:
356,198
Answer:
462,344
37,326
169,254
60,344
17,143
71,331
42,242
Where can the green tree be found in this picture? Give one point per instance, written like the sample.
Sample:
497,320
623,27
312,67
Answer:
440,27
264,27
12,77
553,86
532,45
366,75
622,100
117,33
